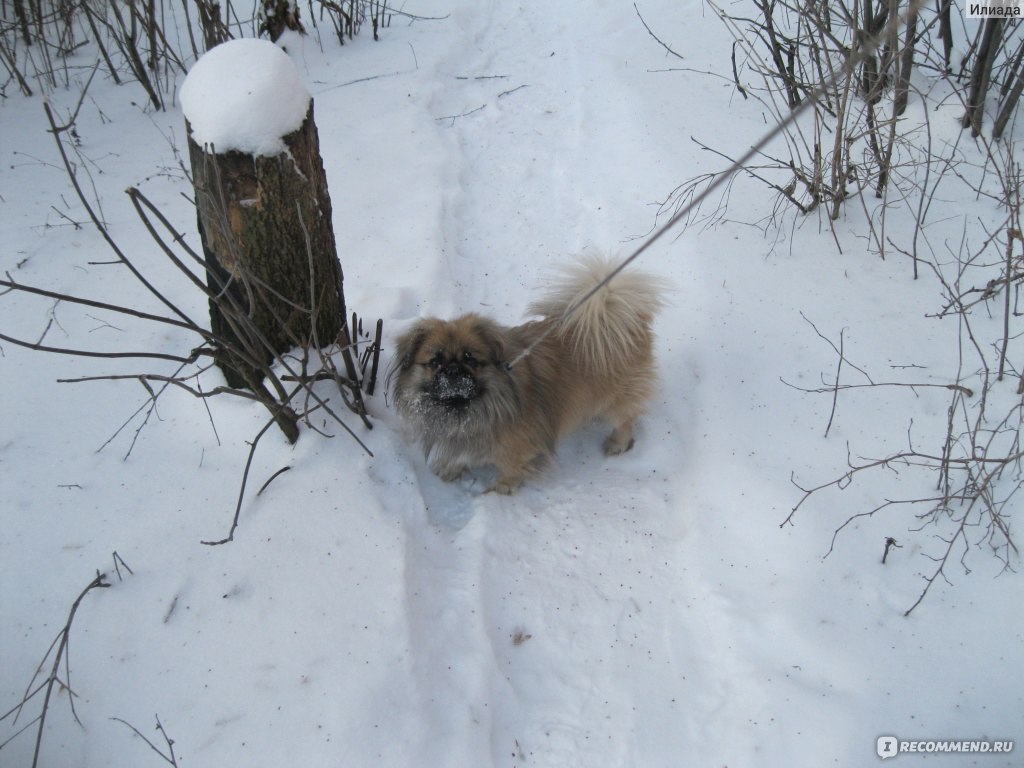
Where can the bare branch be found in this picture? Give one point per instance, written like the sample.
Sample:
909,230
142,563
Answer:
661,42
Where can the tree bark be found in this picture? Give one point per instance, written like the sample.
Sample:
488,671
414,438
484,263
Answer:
981,74
906,64
272,263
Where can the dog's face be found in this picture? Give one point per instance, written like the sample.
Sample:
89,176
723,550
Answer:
447,368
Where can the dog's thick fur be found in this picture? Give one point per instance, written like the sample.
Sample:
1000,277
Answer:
452,382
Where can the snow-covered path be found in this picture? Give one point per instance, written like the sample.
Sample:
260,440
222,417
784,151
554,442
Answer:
548,630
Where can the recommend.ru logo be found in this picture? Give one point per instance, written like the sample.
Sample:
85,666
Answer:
890,746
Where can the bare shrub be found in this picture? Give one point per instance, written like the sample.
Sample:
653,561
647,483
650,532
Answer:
138,41
852,86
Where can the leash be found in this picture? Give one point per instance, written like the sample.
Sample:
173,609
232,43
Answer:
867,47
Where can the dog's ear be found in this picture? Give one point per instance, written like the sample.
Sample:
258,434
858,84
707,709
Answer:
407,345
496,348
492,338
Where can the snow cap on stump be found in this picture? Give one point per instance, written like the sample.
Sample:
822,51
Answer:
244,95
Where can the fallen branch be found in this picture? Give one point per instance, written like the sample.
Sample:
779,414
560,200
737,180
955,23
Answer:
60,653
241,491
660,42
169,757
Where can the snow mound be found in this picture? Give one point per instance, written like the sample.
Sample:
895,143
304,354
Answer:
244,95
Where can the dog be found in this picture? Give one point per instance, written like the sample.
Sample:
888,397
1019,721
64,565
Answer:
477,393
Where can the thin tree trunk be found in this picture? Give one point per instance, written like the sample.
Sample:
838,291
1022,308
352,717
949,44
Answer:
906,65
981,74
1011,97
946,32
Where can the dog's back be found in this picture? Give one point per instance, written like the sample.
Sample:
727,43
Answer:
608,340
608,332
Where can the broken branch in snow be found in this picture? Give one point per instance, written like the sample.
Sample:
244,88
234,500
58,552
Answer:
169,757
661,42
241,491
510,91
890,543
453,118
60,654
271,479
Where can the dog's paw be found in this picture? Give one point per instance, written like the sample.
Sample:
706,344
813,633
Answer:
616,445
450,475
506,486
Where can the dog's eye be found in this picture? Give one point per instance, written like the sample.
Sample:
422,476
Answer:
435,362
470,359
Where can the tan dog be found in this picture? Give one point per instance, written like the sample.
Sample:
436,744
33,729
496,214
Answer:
469,408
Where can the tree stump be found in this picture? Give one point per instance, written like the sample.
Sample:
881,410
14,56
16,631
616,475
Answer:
264,211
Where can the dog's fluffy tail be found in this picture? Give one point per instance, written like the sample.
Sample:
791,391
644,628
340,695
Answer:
607,332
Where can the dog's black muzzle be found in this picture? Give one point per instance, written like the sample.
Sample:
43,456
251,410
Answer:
454,385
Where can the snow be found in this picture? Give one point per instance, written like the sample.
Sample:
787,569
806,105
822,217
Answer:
244,95
646,610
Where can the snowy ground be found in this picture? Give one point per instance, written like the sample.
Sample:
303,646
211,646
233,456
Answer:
642,611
